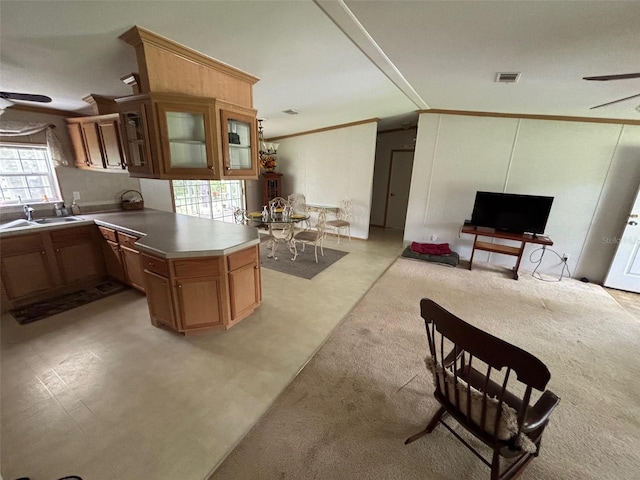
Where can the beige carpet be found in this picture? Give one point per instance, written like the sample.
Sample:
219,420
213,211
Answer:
347,413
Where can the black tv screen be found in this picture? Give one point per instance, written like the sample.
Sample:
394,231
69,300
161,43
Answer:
511,212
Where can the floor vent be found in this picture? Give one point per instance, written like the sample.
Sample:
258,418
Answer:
513,77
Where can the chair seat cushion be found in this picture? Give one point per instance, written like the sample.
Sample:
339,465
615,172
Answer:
307,236
508,423
338,223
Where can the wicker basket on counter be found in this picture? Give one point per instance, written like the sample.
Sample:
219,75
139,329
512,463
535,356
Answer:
134,200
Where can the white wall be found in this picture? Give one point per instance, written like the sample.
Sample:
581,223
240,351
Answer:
591,169
157,194
386,142
95,187
331,166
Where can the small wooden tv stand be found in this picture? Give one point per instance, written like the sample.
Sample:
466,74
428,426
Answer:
503,249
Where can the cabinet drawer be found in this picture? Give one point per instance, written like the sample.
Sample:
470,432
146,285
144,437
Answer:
242,258
72,235
127,240
23,243
203,267
155,265
108,233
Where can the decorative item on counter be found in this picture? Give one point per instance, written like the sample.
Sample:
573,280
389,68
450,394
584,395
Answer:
265,213
75,209
133,200
267,152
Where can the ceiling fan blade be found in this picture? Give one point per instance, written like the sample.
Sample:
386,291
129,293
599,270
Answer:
604,78
615,101
27,97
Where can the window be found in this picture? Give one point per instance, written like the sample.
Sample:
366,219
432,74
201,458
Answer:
27,175
215,199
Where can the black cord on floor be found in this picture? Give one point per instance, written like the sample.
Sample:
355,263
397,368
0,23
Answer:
535,273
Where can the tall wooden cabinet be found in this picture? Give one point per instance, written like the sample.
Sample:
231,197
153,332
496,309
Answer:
271,186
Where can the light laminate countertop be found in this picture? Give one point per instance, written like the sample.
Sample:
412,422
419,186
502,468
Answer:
169,235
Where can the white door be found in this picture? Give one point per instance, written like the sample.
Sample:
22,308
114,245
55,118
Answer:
624,273
399,184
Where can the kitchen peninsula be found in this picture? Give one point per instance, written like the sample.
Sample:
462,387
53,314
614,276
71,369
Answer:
198,274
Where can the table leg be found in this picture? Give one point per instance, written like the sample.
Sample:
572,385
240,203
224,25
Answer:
473,251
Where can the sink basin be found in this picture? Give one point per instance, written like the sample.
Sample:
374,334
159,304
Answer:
21,223
16,224
48,221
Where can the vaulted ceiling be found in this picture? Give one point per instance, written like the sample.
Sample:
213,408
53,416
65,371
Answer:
337,62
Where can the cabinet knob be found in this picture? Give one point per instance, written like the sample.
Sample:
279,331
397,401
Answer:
179,286
163,284
151,264
42,252
57,250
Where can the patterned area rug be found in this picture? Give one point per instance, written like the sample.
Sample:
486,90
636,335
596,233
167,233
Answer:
304,266
46,308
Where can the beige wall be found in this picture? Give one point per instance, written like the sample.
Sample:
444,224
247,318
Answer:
330,166
95,187
592,170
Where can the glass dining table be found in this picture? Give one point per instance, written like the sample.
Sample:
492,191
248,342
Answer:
281,229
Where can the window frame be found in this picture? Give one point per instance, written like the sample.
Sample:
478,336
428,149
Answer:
50,174
205,207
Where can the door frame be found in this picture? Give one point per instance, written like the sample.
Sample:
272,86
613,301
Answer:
386,196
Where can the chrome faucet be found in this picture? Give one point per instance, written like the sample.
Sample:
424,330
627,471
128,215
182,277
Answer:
28,211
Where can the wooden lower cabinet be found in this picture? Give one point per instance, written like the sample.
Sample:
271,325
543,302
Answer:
245,288
47,263
113,260
122,257
26,266
200,303
77,255
194,295
132,267
158,291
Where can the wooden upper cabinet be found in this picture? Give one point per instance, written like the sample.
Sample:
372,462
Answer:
238,140
138,140
187,139
172,136
96,142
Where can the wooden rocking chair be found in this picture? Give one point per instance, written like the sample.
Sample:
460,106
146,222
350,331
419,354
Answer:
474,384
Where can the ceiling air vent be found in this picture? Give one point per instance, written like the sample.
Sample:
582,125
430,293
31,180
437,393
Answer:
502,77
291,112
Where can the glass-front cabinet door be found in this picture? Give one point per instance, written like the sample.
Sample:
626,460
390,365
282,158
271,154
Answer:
188,143
135,135
239,144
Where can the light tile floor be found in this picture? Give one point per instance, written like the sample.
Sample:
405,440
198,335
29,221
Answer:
98,392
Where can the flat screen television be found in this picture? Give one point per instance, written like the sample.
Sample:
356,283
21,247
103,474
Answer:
511,212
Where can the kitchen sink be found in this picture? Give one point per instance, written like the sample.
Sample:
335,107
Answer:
16,224
48,221
22,223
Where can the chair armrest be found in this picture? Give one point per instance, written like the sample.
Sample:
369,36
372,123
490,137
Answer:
540,412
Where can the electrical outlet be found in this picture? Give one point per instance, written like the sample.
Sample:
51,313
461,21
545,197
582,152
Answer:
434,237
565,257
76,195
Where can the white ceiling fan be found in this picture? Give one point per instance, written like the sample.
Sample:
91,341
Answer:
606,78
7,97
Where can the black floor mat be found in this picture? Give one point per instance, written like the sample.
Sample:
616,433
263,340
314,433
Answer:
46,308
